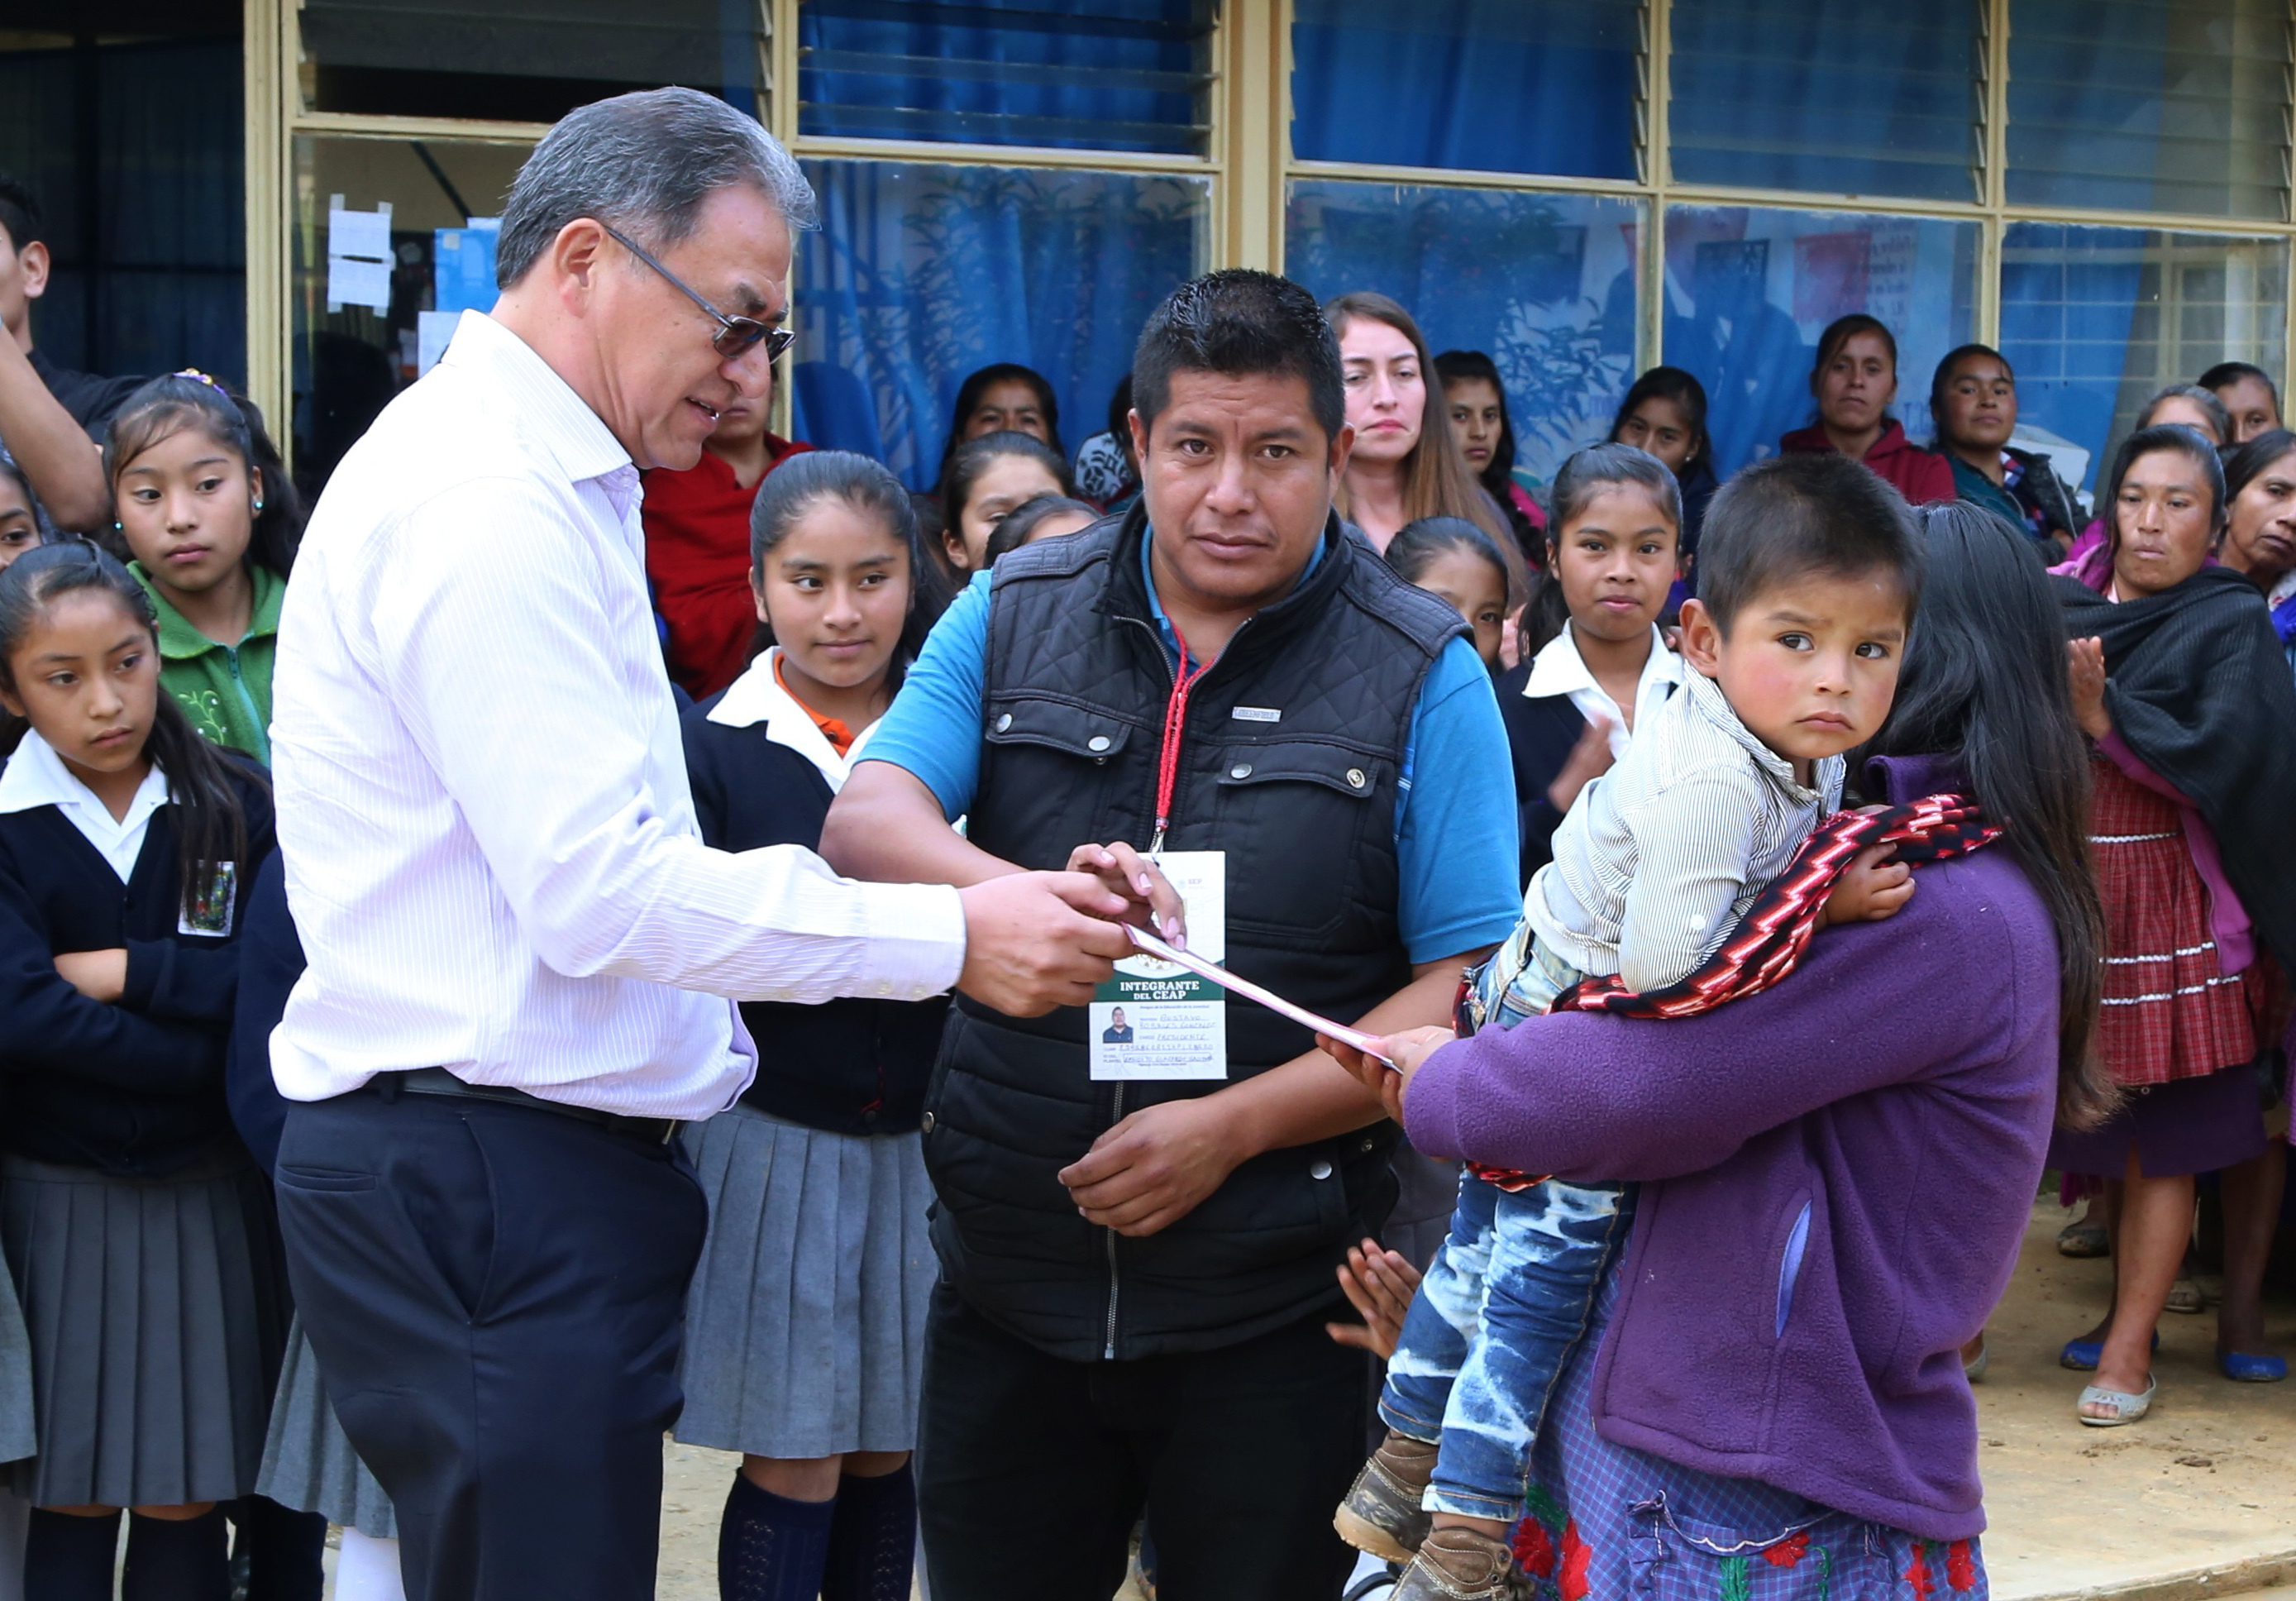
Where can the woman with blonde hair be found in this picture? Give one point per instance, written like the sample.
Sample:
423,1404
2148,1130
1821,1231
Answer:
1406,464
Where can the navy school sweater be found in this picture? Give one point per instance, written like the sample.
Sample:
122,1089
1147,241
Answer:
135,1087
852,1066
1541,733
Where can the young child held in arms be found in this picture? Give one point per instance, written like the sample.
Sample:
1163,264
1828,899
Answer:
1809,576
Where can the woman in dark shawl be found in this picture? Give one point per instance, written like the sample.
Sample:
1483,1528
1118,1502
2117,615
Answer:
2179,683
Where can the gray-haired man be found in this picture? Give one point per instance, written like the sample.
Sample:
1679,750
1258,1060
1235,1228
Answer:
521,956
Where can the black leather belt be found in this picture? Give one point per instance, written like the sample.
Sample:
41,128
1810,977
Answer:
439,1081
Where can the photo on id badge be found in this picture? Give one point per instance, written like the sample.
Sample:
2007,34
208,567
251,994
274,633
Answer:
210,914
1153,1020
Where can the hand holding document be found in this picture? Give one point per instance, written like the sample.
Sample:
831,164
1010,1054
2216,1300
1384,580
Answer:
1151,945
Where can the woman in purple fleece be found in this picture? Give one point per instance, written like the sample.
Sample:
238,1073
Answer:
1835,1174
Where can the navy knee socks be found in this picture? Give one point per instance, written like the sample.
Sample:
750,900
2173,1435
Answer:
177,1560
770,1547
872,1538
69,1558
286,1551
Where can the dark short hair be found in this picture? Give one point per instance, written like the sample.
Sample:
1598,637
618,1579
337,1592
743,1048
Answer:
2210,402
1841,330
646,163
1418,546
2226,374
1793,516
1022,520
1239,322
20,213
2183,440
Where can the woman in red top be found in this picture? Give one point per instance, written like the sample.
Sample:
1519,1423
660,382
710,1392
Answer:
697,546
1855,381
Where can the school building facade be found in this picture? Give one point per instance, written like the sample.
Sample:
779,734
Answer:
1580,188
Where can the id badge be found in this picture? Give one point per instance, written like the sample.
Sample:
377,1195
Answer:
1155,1019
211,913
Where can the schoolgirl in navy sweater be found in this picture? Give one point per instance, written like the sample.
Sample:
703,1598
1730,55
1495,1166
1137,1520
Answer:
131,1214
805,1325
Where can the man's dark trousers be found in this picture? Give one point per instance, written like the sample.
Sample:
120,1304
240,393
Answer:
497,1298
1032,1470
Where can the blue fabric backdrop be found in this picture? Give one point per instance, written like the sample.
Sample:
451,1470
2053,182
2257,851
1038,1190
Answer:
920,275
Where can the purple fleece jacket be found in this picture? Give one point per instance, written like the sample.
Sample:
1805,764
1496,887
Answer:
1835,1175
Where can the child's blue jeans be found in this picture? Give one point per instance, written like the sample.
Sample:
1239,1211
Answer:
1504,1303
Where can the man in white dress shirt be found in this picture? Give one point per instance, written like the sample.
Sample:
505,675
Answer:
523,958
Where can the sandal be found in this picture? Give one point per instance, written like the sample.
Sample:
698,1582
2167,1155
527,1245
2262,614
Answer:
1974,1368
2125,1409
2184,1296
2083,1238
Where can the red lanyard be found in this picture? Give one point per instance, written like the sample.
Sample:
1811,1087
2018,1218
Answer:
1168,760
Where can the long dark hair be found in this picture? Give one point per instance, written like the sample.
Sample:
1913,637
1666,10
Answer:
1416,545
1585,475
1473,366
1688,397
167,405
1984,682
977,384
209,821
2247,463
794,488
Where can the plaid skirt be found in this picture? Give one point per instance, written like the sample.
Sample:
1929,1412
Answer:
2170,1012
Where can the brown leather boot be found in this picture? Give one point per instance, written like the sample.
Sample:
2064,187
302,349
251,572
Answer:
1380,1514
1459,1564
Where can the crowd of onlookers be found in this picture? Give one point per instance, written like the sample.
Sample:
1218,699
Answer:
793,590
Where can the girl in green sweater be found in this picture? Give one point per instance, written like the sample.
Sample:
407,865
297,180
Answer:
212,520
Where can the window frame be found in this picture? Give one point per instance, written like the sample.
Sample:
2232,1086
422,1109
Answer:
1247,163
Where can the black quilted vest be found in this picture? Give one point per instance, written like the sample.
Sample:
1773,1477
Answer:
1077,684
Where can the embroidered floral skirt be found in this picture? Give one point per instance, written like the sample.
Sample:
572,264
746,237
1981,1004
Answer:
1609,1522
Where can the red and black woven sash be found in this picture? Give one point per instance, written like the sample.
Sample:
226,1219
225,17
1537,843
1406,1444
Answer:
1771,939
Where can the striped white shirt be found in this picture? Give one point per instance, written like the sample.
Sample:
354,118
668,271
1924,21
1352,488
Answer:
490,847
1663,854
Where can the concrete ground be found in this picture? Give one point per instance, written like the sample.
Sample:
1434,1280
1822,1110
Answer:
2198,1499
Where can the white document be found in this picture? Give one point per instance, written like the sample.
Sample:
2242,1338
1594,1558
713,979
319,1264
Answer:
359,234
433,329
351,282
1160,1019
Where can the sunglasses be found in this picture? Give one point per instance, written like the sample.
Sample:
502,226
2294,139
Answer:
736,336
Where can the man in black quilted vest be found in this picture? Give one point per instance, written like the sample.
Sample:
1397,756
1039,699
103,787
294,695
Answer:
1137,1242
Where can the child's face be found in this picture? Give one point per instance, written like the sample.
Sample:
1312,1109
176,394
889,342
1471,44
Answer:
1006,484
87,677
186,506
1477,588
1616,562
836,590
1810,666
20,530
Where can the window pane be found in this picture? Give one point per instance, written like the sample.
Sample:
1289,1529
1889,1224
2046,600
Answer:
1542,283
1089,74
350,354
919,275
1834,95
1491,85
2150,106
1749,291
520,60
2095,320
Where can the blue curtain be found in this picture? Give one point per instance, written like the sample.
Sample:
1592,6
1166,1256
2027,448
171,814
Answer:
156,279
1492,85
1839,96
1542,283
1088,74
920,275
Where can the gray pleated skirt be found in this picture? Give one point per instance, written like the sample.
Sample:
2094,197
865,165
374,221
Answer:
16,1437
148,1304
805,1327
307,1460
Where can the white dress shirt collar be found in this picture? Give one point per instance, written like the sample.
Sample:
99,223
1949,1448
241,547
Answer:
554,418
757,696
1558,670
36,777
